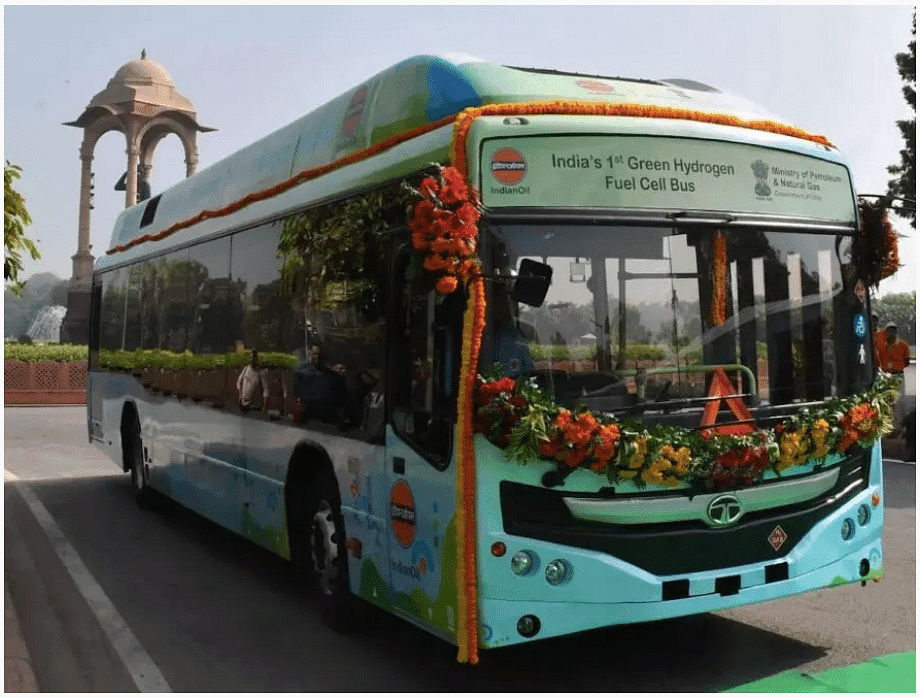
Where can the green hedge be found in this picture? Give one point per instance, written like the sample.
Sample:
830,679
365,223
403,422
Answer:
33,353
582,352
157,358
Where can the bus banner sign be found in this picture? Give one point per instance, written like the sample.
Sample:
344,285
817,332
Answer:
662,173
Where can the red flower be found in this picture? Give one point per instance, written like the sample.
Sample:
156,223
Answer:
574,457
599,466
454,190
422,217
467,215
429,189
446,284
519,401
550,448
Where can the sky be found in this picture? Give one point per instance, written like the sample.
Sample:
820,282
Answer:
251,70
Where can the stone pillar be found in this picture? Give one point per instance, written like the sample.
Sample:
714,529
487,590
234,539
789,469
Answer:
83,259
75,326
191,161
131,182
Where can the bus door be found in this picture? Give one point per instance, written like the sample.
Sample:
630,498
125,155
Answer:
424,353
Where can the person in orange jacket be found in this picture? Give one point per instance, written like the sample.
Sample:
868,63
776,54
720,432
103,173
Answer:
893,353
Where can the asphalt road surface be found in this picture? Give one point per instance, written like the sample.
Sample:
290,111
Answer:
211,612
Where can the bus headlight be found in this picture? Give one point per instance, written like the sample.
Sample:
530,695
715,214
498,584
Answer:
521,563
556,572
847,529
863,514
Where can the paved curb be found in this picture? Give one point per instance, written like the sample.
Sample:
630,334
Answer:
894,673
18,675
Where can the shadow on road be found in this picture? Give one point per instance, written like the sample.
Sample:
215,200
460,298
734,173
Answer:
218,613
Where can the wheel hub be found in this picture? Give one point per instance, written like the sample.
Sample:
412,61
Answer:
325,550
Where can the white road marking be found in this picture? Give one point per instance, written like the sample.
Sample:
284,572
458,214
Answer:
145,673
8,476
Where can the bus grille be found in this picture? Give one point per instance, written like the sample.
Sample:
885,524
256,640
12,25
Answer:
677,547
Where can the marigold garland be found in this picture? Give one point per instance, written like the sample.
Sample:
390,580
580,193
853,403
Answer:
521,419
717,309
563,107
876,254
290,183
467,583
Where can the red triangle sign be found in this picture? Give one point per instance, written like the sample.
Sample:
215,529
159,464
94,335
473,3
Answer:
721,388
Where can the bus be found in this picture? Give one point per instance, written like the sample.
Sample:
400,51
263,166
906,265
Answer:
511,353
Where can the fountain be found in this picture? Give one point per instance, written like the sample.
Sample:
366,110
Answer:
46,327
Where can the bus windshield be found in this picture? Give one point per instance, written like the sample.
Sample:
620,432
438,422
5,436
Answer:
639,317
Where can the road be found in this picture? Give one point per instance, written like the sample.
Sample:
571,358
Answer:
212,612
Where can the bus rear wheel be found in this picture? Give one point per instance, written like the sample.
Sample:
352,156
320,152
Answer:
328,555
139,471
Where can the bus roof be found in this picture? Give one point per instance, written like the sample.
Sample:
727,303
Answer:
410,95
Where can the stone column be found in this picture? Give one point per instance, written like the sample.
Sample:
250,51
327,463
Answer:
83,260
191,161
131,181
75,325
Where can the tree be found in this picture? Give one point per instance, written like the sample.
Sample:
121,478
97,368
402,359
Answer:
904,185
15,219
900,308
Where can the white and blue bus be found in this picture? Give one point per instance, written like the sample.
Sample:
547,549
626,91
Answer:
647,391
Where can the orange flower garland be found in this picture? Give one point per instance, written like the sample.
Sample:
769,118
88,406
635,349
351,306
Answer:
444,226
719,270
467,583
876,254
467,116
290,183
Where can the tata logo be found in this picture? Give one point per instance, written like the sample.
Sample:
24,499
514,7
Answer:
724,511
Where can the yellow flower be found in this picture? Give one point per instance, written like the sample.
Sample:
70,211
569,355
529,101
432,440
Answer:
791,449
638,458
818,435
654,474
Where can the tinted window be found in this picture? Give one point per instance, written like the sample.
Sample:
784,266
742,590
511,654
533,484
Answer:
112,310
173,272
213,298
262,318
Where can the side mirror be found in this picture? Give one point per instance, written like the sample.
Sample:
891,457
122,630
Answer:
532,283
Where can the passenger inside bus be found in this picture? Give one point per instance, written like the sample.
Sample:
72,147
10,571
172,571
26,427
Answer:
320,389
512,337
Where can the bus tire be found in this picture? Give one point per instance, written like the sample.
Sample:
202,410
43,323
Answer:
328,556
146,498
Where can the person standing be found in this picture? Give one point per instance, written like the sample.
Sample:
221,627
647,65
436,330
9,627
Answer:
893,352
251,378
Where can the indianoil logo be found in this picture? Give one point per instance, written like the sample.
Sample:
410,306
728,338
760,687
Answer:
354,112
508,166
595,87
402,513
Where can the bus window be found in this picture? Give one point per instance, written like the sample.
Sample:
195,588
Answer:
263,316
172,277
425,339
210,290
112,309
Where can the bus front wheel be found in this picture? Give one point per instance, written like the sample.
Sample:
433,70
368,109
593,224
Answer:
328,555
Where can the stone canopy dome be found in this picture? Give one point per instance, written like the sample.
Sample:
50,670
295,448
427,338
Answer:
141,81
142,72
